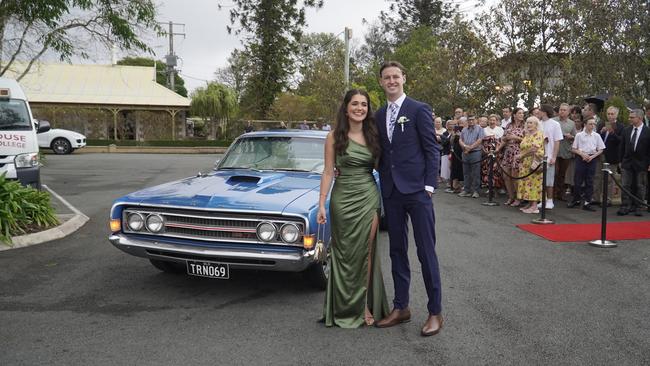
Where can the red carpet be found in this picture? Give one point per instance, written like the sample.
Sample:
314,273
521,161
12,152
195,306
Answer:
587,232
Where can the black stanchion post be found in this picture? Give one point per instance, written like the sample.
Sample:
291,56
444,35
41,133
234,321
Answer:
543,220
603,242
490,182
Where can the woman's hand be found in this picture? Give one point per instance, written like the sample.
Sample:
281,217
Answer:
321,218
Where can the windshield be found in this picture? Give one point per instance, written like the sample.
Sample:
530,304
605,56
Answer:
14,115
276,153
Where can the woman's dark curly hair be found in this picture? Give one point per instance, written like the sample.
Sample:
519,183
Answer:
343,127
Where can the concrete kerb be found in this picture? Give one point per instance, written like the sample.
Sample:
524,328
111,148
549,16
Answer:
71,223
152,149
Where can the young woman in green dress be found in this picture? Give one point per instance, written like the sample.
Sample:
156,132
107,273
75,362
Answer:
355,291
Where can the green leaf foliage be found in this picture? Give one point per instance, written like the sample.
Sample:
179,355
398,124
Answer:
70,28
272,30
161,72
623,112
23,209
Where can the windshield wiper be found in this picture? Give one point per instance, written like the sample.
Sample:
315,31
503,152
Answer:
292,170
239,167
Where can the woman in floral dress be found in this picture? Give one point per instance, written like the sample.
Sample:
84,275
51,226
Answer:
531,149
493,135
510,147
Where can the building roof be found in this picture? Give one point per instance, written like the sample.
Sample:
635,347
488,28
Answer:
115,85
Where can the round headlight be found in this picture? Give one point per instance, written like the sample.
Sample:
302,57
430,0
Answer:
155,223
266,231
135,221
290,233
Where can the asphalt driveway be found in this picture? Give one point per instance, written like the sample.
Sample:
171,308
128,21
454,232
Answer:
509,297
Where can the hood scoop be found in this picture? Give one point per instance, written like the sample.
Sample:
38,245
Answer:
252,179
246,179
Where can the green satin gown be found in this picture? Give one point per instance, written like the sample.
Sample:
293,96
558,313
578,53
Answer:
353,205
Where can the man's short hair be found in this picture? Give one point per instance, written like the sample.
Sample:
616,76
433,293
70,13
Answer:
388,64
637,112
613,108
565,105
593,107
548,109
508,108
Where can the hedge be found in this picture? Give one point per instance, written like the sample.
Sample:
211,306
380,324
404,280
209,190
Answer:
177,143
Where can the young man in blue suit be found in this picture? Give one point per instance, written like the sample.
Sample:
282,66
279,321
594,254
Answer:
408,171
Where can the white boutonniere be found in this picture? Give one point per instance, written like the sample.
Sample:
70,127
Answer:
402,120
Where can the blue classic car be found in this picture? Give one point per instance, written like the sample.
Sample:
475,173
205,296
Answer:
256,210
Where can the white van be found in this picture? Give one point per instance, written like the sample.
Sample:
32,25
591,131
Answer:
18,144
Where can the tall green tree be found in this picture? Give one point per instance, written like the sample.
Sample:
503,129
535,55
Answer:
530,37
216,103
405,16
234,75
564,50
67,28
320,64
161,71
272,30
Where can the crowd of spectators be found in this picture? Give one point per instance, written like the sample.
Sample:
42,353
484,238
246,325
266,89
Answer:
573,140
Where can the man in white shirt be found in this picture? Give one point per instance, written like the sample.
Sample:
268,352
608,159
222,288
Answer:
588,146
507,117
552,138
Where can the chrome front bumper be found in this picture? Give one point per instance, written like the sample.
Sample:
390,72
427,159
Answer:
240,258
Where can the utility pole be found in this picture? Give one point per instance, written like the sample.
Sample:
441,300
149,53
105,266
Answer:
171,58
346,71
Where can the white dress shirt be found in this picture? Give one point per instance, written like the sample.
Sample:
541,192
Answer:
588,143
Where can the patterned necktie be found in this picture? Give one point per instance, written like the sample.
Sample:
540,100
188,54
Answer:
391,120
633,140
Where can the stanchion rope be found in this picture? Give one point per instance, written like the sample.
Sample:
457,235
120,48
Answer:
637,199
517,178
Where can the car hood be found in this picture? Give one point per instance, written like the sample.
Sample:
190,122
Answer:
231,189
68,133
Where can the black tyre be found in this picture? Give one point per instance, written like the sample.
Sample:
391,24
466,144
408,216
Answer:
61,146
168,267
317,274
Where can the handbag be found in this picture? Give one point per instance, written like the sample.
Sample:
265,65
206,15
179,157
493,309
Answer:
320,252
535,163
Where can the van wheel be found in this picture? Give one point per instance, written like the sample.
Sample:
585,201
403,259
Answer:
168,267
61,146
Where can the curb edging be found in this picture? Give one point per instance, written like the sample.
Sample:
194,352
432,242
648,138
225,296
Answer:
58,232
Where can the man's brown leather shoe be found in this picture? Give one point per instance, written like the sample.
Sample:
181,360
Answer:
432,326
395,317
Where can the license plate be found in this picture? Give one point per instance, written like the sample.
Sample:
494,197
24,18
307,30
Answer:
208,269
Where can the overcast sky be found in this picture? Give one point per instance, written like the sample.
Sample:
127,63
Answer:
207,44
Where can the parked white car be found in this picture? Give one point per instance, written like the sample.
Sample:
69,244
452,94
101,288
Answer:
61,141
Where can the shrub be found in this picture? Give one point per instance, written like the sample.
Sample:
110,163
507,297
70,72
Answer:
177,143
23,209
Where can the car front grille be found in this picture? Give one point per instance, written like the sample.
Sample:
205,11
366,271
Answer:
213,226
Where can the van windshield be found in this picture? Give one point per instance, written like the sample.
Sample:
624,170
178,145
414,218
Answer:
14,115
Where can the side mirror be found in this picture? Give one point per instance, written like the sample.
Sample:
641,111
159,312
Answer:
43,126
